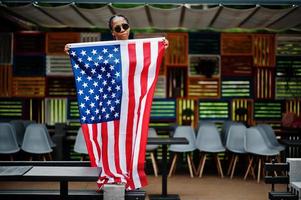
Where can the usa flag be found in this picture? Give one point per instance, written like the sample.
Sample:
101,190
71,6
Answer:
115,83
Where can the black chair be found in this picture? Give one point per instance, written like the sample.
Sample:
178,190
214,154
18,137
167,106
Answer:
277,173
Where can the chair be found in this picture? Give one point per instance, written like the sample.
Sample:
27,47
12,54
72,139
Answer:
256,144
189,134
151,148
282,177
28,122
225,130
8,141
36,141
20,130
269,134
80,144
209,141
52,144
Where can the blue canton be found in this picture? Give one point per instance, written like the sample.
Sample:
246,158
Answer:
97,72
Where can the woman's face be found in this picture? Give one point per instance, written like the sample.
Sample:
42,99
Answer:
120,28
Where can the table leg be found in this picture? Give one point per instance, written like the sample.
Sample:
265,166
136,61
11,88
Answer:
164,195
64,190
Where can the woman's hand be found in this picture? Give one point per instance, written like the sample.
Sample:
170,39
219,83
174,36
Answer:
66,49
165,43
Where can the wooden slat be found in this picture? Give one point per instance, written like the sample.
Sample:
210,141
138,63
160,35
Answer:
58,65
265,83
236,44
89,37
293,105
237,66
160,91
177,52
204,87
197,65
5,80
56,111
187,111
238,104
56,41
288,44
60,87
28,87
264,50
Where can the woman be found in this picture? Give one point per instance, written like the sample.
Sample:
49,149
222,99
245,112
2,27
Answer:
120,29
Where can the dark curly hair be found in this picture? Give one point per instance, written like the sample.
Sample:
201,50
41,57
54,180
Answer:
111,19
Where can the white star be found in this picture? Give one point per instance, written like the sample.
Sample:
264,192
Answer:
85,85
96,64
80,92
105,96
116,115
109,89
115,49
87,111
82,72
93,71
83,118
95,84
107,116
92,118
101,90
117,74
82,105
79,79
73,53
94,52
89,78
87,65
117,87
112,108
117,101
80,60
89,58
110,55
105,50
103,69
100,103
116,60
106,62
87,98
92,105
100,58
91,91
109,102
104,83
99,76
113,95
83,53
96,97
113,81
76,66
108,75
103,110
96,111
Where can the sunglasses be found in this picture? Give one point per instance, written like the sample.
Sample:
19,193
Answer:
123,26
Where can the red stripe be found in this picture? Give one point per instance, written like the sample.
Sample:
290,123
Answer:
95,136
89,144
143,83
131,105
105,161
145,119
116,149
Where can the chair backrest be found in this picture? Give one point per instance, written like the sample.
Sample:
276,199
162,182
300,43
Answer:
80,143
208,139
36,140
257,144
269,133
20,130
8,140
188,133
225,130
52,144
152,133
236,138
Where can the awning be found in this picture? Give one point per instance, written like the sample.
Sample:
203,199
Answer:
181,16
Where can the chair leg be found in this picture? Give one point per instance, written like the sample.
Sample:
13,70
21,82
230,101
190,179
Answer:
234,165
154,163
189,165
219,166
248,168
202,165
172,165
259,170
230,165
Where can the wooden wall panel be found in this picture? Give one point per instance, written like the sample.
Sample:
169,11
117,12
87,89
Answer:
6,72
28,87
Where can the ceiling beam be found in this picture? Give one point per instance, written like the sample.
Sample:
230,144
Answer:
224,2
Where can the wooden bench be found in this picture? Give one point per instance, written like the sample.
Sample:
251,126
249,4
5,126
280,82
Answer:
53,171
277,173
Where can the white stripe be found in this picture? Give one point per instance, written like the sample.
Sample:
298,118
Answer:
124,108
99,139
111,152
150,81
137,88
94,148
